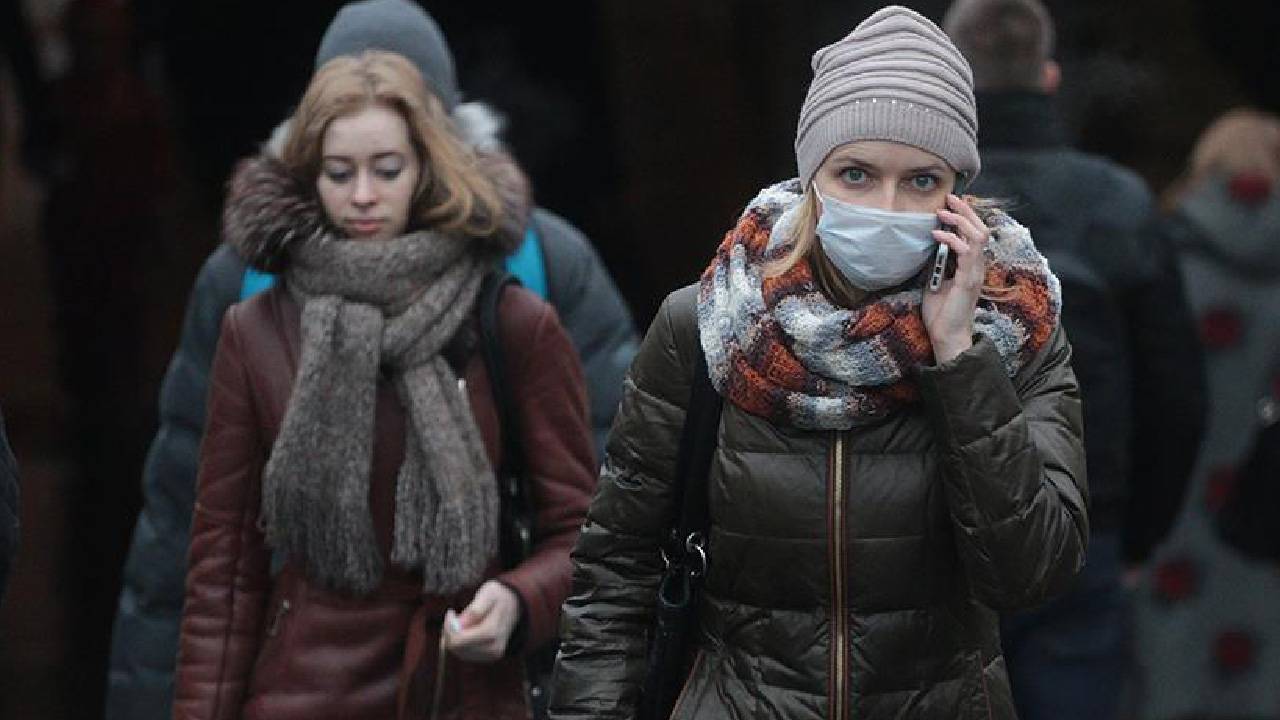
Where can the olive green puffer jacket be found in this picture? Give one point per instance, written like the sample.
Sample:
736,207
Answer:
853,574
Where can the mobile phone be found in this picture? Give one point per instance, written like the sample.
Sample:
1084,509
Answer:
944,266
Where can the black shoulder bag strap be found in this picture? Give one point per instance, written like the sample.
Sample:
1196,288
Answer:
515,538
684,554
516,533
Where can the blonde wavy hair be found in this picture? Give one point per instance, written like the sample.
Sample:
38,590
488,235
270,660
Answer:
453,194
1241,140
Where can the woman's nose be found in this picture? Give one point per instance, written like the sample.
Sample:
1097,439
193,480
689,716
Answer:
885,198
364,194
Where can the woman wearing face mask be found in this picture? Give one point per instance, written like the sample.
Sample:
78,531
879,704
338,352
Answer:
893,465
346,503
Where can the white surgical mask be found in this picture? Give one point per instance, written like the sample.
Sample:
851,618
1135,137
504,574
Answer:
875,249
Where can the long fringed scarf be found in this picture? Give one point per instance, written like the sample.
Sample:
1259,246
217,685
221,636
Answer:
391,306
778,348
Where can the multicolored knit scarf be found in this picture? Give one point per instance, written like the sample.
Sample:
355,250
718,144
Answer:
777,347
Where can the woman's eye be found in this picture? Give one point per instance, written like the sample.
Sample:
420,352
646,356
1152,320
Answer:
924,183
337,175
853,176
388,168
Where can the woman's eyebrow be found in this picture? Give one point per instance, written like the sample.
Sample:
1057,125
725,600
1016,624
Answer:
375,156
854,159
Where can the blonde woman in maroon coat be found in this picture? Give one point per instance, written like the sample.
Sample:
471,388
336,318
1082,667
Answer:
347,505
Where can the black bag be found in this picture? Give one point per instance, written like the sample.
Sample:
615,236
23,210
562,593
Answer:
515,541
671,638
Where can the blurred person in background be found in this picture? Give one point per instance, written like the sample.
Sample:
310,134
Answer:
1209,622
346,502
10,508
892,464
553,259
1135,352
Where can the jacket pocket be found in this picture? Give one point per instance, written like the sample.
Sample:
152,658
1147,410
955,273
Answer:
273,647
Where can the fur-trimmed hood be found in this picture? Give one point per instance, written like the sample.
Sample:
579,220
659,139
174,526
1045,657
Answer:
268,210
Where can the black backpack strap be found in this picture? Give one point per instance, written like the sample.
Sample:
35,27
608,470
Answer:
516,535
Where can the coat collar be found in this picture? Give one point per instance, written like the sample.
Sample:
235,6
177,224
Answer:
1018,119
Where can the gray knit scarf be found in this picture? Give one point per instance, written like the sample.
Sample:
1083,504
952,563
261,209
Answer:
392,305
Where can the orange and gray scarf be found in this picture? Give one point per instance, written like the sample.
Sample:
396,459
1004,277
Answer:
778,348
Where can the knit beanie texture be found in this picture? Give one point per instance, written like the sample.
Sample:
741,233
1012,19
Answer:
397,26
896,77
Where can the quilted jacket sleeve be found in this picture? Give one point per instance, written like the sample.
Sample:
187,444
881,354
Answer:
144,640
594,314
227,577
616,560
551,400
1013,459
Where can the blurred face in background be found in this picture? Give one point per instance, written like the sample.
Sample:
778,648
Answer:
369,173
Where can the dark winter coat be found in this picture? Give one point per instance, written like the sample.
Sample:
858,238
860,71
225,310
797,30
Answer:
9,507
1136,352
1251,519
852,574
592,311
144,639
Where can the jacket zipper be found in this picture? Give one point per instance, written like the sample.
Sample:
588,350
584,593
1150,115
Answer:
983,677
276,621
839,619
693,673
437,693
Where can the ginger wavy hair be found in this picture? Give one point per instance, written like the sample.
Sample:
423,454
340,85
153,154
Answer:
453,194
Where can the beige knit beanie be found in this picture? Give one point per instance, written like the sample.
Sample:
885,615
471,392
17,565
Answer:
897,77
